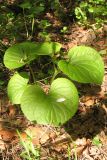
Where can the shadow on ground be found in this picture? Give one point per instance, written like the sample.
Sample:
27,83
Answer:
87,124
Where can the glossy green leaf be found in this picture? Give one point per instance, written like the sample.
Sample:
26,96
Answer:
48,48
16,86
56,107
20,54
23,53
85,65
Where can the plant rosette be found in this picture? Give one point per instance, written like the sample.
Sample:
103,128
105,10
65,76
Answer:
84,65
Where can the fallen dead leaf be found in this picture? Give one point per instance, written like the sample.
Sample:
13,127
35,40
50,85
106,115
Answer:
93,150
81,142
78,150
52,136
2,144
7,135
35,141
100,44
60,147
12,111
62,139
88,100
103,137
39,134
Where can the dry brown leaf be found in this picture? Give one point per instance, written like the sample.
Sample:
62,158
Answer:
12,111
39,134
78,150
94,150
35,141
23,136
60,147
52,135
100,44
103,137
88,100
2,144
7,135
81,142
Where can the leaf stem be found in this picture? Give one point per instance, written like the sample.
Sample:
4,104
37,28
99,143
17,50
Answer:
27,33
32,73
33,23
55,73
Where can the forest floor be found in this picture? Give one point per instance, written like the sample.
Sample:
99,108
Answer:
84,137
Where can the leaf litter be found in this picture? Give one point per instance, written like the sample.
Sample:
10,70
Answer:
74,140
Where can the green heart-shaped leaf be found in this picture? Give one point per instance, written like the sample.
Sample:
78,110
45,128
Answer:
85,65
20,54
55,108
23,53
16,86
48,48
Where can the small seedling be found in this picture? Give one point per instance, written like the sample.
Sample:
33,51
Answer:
44,24
30,151
96,141
64,30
